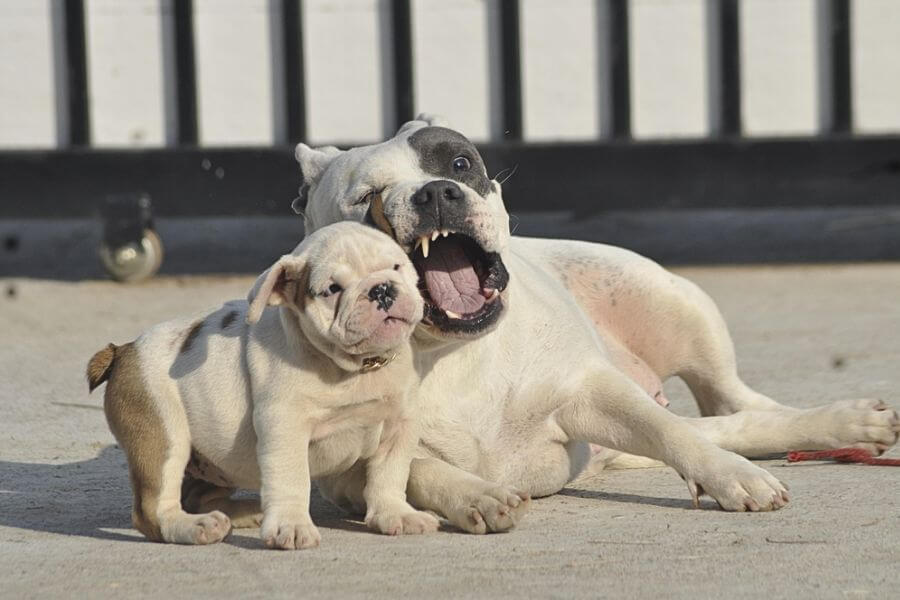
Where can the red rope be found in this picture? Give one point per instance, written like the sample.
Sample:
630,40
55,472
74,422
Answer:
844,455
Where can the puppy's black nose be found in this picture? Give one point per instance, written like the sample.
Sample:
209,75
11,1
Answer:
384,294
437,190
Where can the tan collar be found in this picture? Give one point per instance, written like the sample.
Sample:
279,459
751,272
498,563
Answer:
374,363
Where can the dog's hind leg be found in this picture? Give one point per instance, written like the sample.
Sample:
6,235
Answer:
609,409
157,453
198,496
747,422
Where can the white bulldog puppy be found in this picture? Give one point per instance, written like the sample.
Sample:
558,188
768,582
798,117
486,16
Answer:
309,376
531,350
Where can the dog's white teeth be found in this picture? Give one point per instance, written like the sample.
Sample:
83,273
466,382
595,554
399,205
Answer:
453,315
445,233
425,243
418,243
435,234
494,295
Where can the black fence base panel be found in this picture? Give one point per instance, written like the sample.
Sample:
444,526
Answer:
584,178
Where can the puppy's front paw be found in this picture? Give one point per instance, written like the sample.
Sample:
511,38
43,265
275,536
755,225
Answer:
402,521
738,485
289,530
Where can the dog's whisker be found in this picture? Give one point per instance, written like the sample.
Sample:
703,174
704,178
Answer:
508,173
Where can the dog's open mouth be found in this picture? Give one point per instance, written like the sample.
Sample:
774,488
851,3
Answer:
460,282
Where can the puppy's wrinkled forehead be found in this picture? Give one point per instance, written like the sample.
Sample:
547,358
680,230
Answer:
347,255
438,147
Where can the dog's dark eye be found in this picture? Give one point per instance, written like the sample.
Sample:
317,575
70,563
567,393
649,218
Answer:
461,163
397,267
332,289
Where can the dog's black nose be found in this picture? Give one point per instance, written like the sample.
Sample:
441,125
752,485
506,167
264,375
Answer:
384,294
437,190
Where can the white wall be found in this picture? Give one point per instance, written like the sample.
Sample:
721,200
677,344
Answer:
456,69
125,62
561,75
668,68
234,71
876,65
27,86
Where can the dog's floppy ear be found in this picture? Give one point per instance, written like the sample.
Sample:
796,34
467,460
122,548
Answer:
313,162
270,287
424,120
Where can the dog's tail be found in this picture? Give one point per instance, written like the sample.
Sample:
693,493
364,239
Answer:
100,365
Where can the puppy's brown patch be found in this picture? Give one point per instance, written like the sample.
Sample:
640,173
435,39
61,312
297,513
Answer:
191,336
99,365
296,286
133,419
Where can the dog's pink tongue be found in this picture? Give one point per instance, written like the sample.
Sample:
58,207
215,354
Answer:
451,279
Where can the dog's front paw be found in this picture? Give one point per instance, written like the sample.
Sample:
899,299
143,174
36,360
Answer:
289,530
402,521
868,424
738,485
494,509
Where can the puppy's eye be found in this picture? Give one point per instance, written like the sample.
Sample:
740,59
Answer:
332,289
397,267
367,197
461,163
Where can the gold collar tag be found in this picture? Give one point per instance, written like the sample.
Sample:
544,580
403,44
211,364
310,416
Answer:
375,362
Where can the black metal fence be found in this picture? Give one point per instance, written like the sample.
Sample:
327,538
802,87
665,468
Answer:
725,170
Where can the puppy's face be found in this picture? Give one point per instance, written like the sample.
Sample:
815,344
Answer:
428,189
350,287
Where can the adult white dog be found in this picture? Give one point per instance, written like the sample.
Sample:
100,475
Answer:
533,349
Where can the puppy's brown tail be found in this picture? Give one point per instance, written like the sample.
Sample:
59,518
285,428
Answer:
99,366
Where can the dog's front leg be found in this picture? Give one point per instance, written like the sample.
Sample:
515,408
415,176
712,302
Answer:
283,453
387,472
466,500
609,409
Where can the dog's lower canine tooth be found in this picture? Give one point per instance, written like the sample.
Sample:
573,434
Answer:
453,315
425,242
493,295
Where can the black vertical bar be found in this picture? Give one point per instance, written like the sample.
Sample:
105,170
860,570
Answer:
401,28
729,69
294,70
77,74
185,72
620,76
841,98
511,57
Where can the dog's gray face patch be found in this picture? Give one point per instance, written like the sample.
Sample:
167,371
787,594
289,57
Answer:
438,149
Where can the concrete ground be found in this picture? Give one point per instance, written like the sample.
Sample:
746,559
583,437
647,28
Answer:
805,335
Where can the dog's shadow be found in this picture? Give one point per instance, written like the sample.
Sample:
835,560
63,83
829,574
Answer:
92,498
682,503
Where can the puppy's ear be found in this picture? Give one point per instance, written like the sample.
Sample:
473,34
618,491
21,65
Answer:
423,120
272,287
